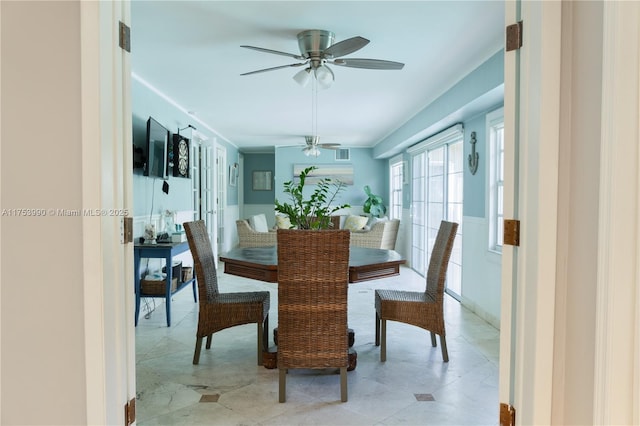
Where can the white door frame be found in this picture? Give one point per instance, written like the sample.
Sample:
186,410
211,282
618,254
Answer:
530,355
532,110
617,351
108,183
531,389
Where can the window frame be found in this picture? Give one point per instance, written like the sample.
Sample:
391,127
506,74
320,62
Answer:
396,185
495,179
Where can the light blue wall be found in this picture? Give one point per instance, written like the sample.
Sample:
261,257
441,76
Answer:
366,169
258,162
475,190
467,102
479,90
148,197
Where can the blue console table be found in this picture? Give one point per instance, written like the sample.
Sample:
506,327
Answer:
160,251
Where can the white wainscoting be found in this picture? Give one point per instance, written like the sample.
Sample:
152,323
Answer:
230,239
481,269
403,243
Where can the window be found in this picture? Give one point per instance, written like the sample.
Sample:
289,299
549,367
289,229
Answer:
437,178
397,179
495,144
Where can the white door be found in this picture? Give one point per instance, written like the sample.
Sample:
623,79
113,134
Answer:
220,186
207,192
203,175
531,111
437,175
510,210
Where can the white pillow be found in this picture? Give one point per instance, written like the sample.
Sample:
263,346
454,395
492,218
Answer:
355,223
283,222
259,223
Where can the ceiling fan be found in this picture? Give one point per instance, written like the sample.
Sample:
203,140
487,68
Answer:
312,146
317,50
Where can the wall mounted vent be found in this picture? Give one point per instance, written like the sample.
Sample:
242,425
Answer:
342,154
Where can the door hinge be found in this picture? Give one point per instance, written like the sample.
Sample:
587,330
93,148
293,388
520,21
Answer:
124,37
507,415
126,232
511,232
130,412
514,37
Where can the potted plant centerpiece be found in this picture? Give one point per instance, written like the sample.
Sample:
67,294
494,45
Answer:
314,212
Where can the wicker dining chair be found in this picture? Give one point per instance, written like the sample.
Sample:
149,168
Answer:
219,311
313,279
422,309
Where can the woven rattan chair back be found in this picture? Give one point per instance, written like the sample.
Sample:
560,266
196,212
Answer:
203,259
439,260
313,275
422,309
218,311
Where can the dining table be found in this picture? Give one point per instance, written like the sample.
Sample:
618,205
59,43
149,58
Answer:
261,263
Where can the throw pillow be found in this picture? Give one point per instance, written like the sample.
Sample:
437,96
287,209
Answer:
283,222
259,223
373,220
355,223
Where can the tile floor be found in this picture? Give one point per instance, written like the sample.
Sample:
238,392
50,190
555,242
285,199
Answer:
413,387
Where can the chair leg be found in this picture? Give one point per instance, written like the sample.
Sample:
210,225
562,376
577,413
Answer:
443,345
433,339
209,340
260,342
383,340
377,329
343,384
196,354
265,333
282,385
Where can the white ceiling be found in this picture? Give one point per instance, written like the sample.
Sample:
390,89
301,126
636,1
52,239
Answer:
190,51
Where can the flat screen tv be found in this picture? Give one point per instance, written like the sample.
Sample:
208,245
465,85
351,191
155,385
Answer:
157,144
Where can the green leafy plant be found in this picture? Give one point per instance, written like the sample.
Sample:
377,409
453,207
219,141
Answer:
315,212
373,204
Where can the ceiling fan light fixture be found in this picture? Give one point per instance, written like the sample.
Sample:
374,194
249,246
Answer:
311,151
324,76
303,77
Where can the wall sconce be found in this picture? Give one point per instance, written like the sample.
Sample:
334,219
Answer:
474,156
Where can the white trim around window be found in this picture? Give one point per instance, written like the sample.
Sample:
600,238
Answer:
495,178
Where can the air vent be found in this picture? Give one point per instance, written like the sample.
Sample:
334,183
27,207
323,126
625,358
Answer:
342,154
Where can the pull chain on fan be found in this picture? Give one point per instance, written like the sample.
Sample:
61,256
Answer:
311,150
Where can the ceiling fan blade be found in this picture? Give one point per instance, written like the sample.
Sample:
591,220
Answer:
372,64
345,47
275,52
274,68
329,145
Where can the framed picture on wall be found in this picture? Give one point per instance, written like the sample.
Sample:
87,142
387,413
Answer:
233,174
262,180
